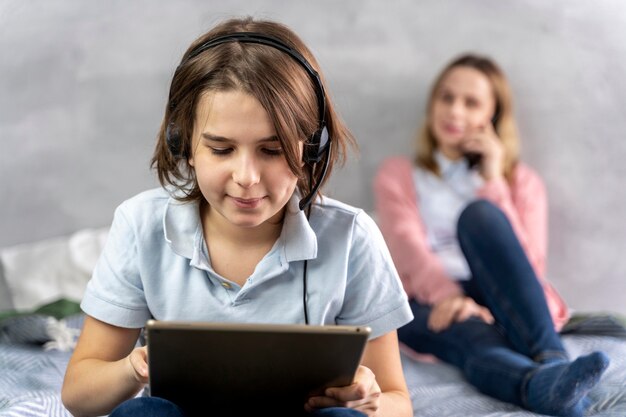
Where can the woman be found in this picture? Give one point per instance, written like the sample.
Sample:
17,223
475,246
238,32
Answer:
466,224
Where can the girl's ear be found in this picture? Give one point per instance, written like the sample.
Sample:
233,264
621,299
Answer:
301,153
190,159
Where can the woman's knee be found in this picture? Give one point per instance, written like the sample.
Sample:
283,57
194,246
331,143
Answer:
478,217
478,212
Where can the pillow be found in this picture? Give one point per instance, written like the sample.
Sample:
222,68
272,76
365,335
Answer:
41,272
596,323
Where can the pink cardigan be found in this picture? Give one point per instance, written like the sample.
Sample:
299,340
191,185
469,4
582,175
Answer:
422,274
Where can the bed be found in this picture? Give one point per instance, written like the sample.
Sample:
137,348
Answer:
37,335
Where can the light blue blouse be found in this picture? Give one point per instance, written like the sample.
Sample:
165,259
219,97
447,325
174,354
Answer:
441,201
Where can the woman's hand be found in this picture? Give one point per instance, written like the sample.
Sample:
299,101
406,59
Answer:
456,309
138,364
363,394
485,142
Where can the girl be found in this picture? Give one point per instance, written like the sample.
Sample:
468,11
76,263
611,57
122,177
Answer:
247,139
466,226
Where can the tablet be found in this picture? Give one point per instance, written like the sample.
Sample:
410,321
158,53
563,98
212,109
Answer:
233,369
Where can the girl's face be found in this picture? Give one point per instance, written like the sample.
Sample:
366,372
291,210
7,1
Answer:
239,162
462,105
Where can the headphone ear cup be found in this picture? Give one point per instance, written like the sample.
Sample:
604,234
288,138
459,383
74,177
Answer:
317,146
174,143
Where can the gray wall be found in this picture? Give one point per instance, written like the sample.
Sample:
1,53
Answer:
83,87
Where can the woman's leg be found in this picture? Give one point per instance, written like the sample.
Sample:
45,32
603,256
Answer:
506,281
147,407
490,363
484,356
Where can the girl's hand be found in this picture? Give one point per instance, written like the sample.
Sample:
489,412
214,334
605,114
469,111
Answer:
485,141
456,309
363,394
138,364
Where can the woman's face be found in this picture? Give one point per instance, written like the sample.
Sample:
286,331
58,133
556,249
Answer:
462,105
239,162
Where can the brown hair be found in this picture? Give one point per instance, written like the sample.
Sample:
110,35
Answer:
505,124
284,89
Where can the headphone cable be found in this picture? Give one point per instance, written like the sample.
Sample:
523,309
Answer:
304,273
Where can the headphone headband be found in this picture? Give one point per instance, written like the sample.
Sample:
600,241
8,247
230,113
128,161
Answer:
262,39
319,143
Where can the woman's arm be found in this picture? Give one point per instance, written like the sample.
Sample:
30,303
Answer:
99,375
397,214
379,388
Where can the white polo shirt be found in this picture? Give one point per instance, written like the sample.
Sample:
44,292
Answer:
155,265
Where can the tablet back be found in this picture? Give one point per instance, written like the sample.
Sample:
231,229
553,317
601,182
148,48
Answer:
231,369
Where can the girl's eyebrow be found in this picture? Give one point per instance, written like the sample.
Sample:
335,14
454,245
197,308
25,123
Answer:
217,138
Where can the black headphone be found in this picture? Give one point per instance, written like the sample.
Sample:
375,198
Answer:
317,148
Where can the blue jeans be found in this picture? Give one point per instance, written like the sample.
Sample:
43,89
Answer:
159,407
497,359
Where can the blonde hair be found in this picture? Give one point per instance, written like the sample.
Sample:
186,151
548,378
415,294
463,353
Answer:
504,124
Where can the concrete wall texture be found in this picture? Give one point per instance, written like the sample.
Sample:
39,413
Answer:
83,86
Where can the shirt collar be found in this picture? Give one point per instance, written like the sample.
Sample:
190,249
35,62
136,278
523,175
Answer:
181,225
300,241
448,167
